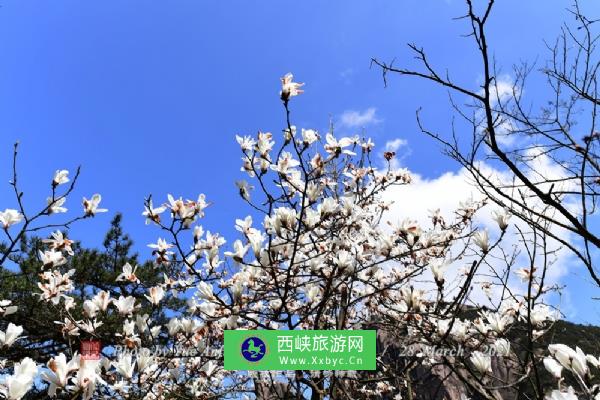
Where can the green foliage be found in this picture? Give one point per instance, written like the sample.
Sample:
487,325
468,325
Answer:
95,270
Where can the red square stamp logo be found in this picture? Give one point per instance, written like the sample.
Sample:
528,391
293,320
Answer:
90,349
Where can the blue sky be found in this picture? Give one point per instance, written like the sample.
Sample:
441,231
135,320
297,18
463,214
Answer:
148,96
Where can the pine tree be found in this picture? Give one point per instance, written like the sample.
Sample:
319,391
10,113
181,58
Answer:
95,270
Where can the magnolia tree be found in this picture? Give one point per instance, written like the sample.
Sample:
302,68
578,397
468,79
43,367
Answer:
319,249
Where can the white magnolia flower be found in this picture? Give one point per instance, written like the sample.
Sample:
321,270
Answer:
144,359
244,225
413,298
284,218
121,387
189,325
19,383
10,217
411,230
179,207
152,214
59,242
501,217
209,309
90,325
289,88
558,395
285,163
54,285
482,362
142,322
155,294
345,261
60,176
161,245
129,327
87,377
482,240
161,250
199,205
69,328
69,302
327,207
125,366
498,322
336,147
236,289
525,274
239,251
579,363
436,217
309,136
102,300
90,207
210,367
244,188
502,347
541,313
553,367
438,268
256,239
128,274
11,334
264,145
368,145
481,326
275,304
442,326
467,208
90,308
245,142
595,361
173,326
289,133
247,166
205,291
51,258
313,191
55,206
125,305
312,293
6,308
58,372
574,360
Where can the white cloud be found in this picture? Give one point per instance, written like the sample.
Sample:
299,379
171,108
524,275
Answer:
444,192
353,118
503,88
394,145
346,75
